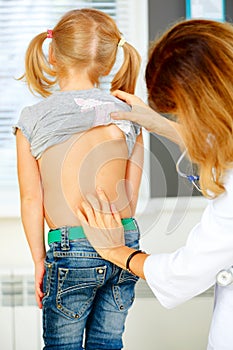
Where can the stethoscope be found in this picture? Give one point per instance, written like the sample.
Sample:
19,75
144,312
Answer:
193,179
224,277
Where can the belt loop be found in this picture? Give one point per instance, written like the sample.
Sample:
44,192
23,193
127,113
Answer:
65,244
136,224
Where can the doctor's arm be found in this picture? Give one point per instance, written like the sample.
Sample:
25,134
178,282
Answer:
32,214
173,277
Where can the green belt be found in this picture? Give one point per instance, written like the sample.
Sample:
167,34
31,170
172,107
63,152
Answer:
76,232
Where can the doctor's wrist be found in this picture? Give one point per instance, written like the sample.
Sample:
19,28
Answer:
119,255
128,259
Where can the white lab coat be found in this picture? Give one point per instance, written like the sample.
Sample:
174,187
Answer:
177,277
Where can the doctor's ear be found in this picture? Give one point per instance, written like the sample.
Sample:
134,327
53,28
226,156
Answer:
52,59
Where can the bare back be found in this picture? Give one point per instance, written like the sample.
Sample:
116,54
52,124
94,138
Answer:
72,169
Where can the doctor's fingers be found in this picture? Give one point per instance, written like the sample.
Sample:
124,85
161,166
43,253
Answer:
130,99
104,201
119,115
143,116
116,215
81,217
96,207
108,209
90,214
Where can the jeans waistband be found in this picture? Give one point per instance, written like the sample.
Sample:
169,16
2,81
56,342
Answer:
76,232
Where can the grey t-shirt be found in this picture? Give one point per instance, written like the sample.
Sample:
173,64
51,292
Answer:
56,118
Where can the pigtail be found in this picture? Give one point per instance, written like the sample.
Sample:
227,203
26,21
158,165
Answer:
37,67
125,79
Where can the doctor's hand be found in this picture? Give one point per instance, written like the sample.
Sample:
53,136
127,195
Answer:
101,224
141,113
103,228
145,116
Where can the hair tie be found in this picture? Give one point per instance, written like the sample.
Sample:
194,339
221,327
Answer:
49,33
121,42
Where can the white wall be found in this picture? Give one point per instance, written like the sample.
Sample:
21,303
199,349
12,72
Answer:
14,252
151,327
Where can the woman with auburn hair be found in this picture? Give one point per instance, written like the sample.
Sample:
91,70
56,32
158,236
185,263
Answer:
66,145
189,76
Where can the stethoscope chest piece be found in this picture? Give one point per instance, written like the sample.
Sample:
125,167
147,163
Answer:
224,277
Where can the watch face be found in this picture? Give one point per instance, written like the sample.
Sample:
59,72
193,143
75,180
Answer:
224,278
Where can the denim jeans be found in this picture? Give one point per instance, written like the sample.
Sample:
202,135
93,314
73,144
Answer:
86,298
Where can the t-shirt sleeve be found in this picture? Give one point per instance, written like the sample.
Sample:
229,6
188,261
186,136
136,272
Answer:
177,277
24,123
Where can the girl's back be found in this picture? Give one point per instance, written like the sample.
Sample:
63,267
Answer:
74,168
78,147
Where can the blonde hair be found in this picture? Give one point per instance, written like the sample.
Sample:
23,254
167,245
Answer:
85,38
189,75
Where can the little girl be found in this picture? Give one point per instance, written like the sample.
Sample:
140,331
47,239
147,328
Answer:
67,145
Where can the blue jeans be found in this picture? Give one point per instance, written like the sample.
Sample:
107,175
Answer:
86,298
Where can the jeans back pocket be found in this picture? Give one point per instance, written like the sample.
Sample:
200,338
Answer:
77,288
124,290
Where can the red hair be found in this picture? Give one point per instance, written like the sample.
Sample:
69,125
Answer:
189,75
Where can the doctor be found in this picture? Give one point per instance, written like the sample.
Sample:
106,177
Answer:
189,75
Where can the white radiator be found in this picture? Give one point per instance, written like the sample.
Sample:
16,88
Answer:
148,326
20,318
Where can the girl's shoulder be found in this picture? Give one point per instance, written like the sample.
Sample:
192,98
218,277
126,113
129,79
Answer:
80,100
30,115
